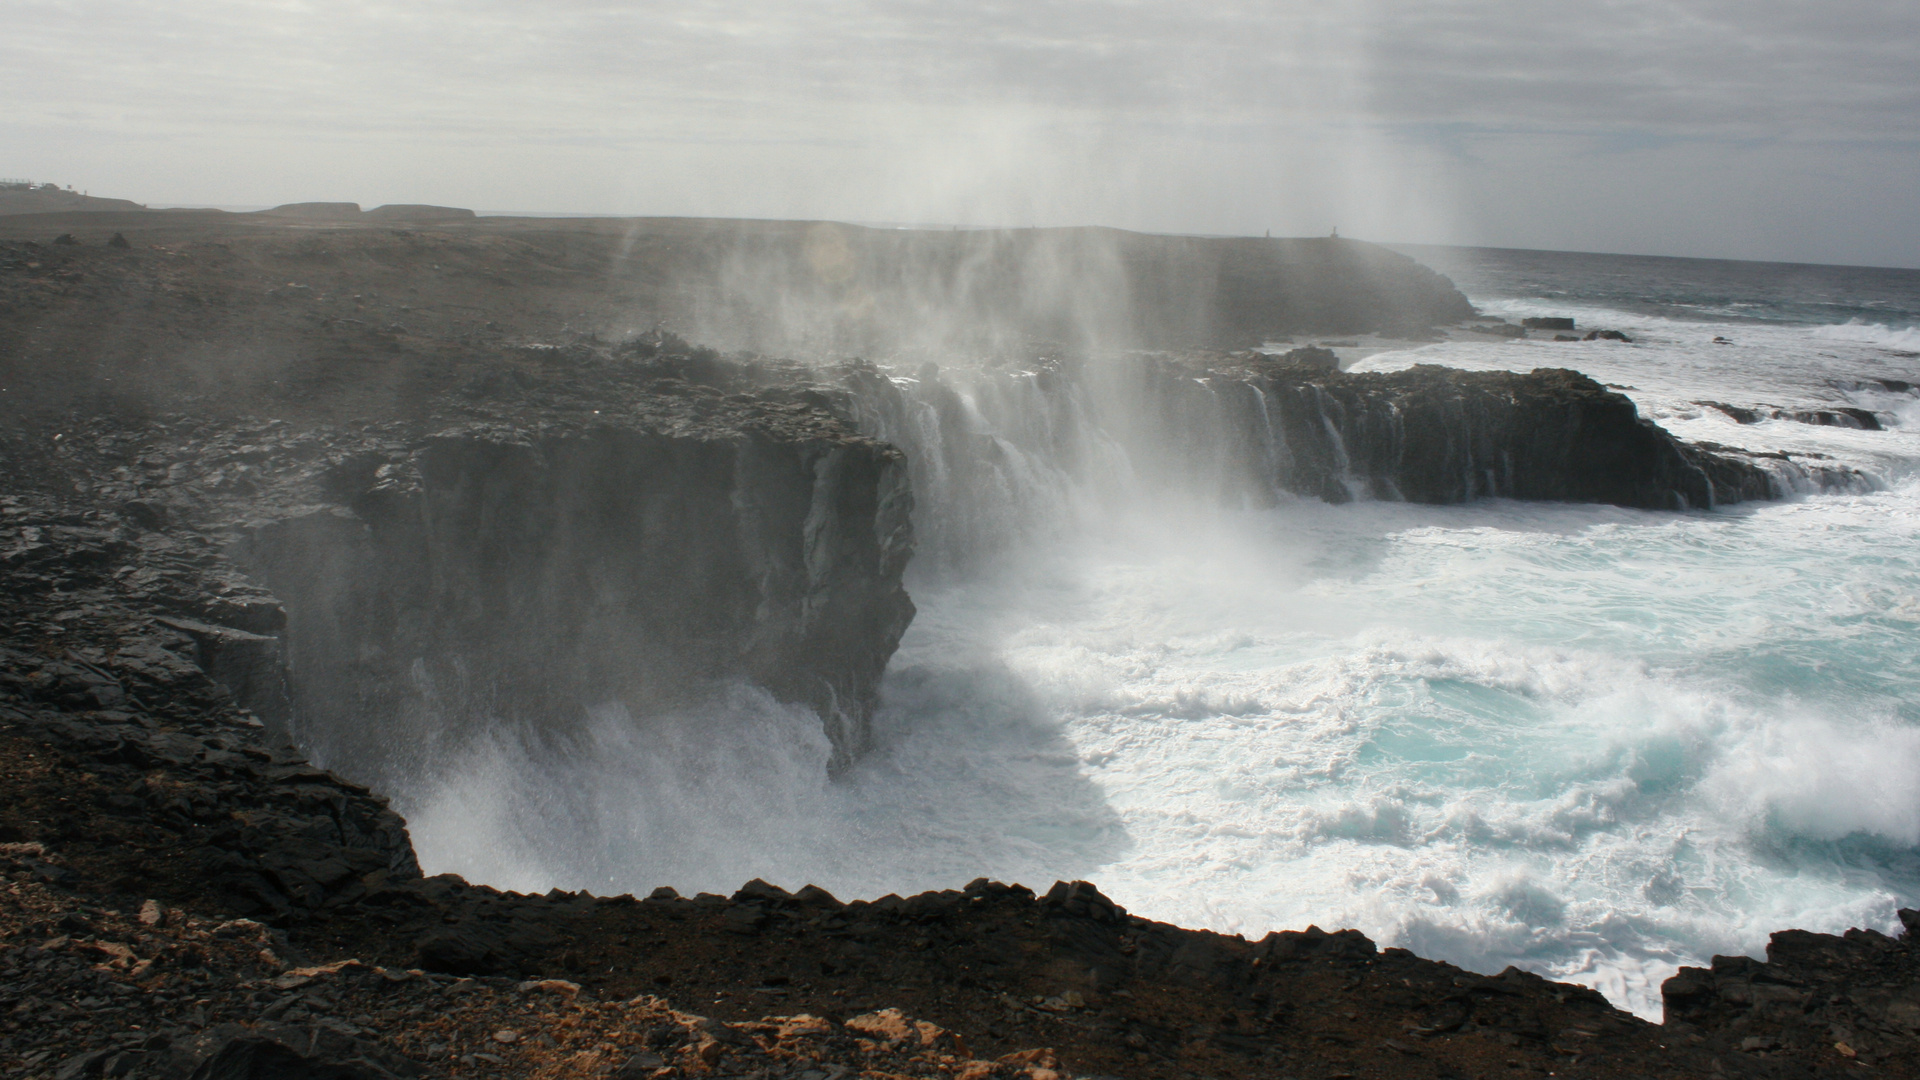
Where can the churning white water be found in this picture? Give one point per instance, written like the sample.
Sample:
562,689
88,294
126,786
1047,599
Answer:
1597,743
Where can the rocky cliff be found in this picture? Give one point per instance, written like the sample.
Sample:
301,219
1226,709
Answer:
497,576
1008,453
1431,434
473,514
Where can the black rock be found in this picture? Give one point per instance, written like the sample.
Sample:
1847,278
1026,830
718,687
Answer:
666,564
1438,435
1842,417
1547,323
1606,335
1739,415
251,666
1312,356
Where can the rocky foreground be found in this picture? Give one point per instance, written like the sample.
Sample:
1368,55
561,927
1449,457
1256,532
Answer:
253,475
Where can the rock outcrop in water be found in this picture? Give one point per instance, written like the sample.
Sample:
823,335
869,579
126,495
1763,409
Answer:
1438,435
1004,454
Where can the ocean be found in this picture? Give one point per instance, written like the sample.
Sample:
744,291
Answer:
1592,742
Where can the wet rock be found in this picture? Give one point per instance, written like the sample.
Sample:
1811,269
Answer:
1311,356
1438,435
1841,417
1845,416
668,564
1738,414
1547,323
1606,335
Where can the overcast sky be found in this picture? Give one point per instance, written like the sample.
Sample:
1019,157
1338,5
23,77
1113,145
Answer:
1739,128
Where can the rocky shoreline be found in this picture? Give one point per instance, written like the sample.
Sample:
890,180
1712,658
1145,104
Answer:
183,896
243,512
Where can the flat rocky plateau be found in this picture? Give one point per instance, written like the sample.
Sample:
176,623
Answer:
187,896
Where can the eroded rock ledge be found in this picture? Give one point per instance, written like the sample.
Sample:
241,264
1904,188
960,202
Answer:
518,576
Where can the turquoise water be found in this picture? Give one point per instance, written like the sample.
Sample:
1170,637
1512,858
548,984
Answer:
1597,743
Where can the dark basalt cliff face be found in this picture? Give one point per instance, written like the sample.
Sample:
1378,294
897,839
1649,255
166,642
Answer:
1438,435
997,452
496,575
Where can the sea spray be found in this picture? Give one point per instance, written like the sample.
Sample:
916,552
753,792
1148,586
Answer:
1593,742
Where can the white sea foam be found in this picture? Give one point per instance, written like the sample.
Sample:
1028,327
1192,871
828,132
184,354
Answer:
1858,330
1593,742
1497,734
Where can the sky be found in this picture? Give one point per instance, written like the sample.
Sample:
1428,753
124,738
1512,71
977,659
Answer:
1760,129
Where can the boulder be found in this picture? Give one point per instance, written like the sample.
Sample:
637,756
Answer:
1547,323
